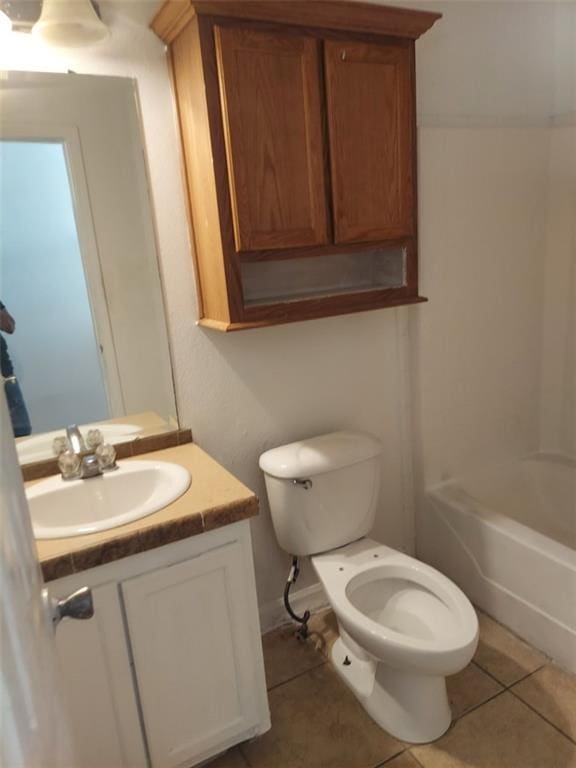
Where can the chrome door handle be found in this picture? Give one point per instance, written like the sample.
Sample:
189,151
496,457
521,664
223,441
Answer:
78,605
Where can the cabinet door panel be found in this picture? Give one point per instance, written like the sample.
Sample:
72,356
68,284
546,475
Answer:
98,685
269,84
370,117
194,664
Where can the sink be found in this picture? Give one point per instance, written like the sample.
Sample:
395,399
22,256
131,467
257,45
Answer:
39,447
63,508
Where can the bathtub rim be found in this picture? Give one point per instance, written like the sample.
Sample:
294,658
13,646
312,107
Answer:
451,493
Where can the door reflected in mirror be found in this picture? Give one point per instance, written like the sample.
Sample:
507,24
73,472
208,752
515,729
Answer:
53,351
82,327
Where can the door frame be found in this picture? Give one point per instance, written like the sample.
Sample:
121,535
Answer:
68,136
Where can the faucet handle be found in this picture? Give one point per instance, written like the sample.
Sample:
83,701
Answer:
69,465
59,445
94,438
106,455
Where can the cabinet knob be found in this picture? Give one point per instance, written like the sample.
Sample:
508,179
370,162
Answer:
343,55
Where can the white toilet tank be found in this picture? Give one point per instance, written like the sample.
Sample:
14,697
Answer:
323,492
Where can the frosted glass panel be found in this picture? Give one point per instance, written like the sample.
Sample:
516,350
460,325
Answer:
267,282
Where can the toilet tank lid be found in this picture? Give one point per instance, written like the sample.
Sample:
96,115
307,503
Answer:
317,455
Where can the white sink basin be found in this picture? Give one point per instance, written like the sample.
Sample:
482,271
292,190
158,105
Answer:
63,508
39,447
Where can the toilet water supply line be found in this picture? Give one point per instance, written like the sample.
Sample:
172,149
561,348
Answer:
302,632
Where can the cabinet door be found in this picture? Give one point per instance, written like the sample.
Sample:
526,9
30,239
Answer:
99,687
270,93
370,117
196,669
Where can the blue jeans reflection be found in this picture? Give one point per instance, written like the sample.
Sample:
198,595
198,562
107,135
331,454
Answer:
17,407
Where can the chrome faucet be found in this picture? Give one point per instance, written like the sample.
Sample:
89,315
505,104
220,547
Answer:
79,459
75,440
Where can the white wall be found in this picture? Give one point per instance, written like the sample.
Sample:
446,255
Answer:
477,344
490,76
42,283
558,382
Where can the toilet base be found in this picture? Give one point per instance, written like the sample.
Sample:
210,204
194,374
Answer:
411,707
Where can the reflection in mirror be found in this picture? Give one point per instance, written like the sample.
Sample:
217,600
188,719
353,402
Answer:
82,329
54,345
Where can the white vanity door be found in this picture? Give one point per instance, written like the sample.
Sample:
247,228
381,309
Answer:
99,688
198,672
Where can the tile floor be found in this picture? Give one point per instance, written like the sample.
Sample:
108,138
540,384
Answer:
512,709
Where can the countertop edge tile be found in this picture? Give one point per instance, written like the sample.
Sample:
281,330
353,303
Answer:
57,567
227,514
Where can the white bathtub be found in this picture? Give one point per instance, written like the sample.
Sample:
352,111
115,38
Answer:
507,537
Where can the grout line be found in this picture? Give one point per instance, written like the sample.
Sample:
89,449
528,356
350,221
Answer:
524,677
474,708
506,686
247,762
542,717
295,677
392,757
486,672
415,758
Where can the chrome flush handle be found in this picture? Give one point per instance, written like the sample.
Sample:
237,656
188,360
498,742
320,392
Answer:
305,484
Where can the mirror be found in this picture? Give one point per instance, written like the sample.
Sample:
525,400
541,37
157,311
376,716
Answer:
82,327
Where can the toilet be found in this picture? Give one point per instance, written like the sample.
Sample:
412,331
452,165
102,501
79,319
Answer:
403,626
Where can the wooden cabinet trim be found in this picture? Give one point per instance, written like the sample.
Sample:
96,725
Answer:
282,314
355,17
330,248
220,165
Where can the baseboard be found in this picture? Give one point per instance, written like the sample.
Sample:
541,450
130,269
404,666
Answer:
273,614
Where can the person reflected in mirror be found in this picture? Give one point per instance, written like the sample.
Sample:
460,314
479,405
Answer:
18,411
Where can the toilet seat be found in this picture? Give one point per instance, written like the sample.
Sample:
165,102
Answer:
398,609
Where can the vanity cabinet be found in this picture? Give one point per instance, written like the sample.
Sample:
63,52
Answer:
97,678
299,138
169,671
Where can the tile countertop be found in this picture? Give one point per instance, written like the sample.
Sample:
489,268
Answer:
215,498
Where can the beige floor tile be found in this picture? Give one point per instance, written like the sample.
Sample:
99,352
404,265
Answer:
231,759
503,655
405,760
317,723
285,656
551,692
503,733
469,688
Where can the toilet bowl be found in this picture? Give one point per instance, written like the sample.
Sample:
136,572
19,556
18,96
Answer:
403,625
403,628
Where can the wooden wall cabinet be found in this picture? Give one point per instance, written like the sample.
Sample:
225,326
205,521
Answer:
299,137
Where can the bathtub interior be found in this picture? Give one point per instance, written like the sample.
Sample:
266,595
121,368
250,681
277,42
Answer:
538,492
